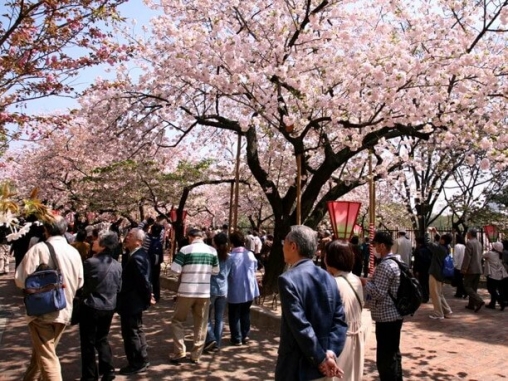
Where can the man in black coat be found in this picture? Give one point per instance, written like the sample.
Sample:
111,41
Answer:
134,298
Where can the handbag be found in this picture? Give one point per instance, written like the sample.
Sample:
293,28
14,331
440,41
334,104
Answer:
448,267
44,289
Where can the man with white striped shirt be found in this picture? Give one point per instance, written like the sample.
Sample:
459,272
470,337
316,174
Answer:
195,264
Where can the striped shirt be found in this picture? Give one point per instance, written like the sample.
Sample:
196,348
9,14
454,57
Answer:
386,279
195,263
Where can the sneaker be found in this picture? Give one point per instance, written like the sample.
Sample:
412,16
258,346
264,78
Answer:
448,315
235,343
470,307
129,369
195,361
209,346
435,317
245,341
490,307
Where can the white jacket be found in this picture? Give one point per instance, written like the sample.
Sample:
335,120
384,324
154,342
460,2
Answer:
71,268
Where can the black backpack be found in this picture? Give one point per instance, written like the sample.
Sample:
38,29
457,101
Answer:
409,294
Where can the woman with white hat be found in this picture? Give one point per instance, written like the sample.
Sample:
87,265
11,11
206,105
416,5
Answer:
495,272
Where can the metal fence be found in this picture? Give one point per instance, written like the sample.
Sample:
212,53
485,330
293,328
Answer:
411,234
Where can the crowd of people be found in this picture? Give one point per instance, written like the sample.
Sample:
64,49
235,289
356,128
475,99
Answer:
322,294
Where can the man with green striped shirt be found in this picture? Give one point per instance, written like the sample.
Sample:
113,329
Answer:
195,264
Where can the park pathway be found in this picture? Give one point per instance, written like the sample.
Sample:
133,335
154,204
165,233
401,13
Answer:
469,346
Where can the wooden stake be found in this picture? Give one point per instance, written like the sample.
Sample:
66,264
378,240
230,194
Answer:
299,189
237,182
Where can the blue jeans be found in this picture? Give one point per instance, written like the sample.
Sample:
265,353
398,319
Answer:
216,319
239,321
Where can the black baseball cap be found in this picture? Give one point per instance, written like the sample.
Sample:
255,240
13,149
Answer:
383,237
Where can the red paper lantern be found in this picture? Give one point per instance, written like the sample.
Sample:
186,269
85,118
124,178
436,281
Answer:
343,217
491,232
173,215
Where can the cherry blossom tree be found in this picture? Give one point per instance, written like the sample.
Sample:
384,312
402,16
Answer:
43,45
323,81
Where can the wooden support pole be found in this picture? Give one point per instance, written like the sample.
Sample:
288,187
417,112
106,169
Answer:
237,182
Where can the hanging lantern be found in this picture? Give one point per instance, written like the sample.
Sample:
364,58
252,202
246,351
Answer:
357,230
173,216
343,217
491,232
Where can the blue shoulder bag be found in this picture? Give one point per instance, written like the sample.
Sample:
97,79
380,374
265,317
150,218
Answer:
44,289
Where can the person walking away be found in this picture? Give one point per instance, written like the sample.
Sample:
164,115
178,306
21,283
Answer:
134,298
402,247
378,292
354,244
4,255
46,330
242,289
436,279
421,265
266,250
504,261
339,261
156,255
495,273
471,269
366,256
218,294
81,246
195,264
313,325
103,281
458,256
258,244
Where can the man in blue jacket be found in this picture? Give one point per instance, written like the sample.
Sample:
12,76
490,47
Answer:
313,326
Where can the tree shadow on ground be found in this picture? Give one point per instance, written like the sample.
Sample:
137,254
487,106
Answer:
255,361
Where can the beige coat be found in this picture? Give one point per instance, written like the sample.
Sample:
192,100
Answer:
472,262
351,359
71,268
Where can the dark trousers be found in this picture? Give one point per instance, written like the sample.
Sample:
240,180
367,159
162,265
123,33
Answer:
504,291
423,278
471,282
134,340
93,333
388,357
458,280
239,321
260,262
496,292
156,282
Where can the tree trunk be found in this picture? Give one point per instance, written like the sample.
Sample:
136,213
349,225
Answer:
276,264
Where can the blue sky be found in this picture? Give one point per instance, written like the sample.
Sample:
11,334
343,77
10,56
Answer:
132,10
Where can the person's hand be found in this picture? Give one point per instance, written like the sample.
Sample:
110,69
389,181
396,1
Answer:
329,366
364,281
